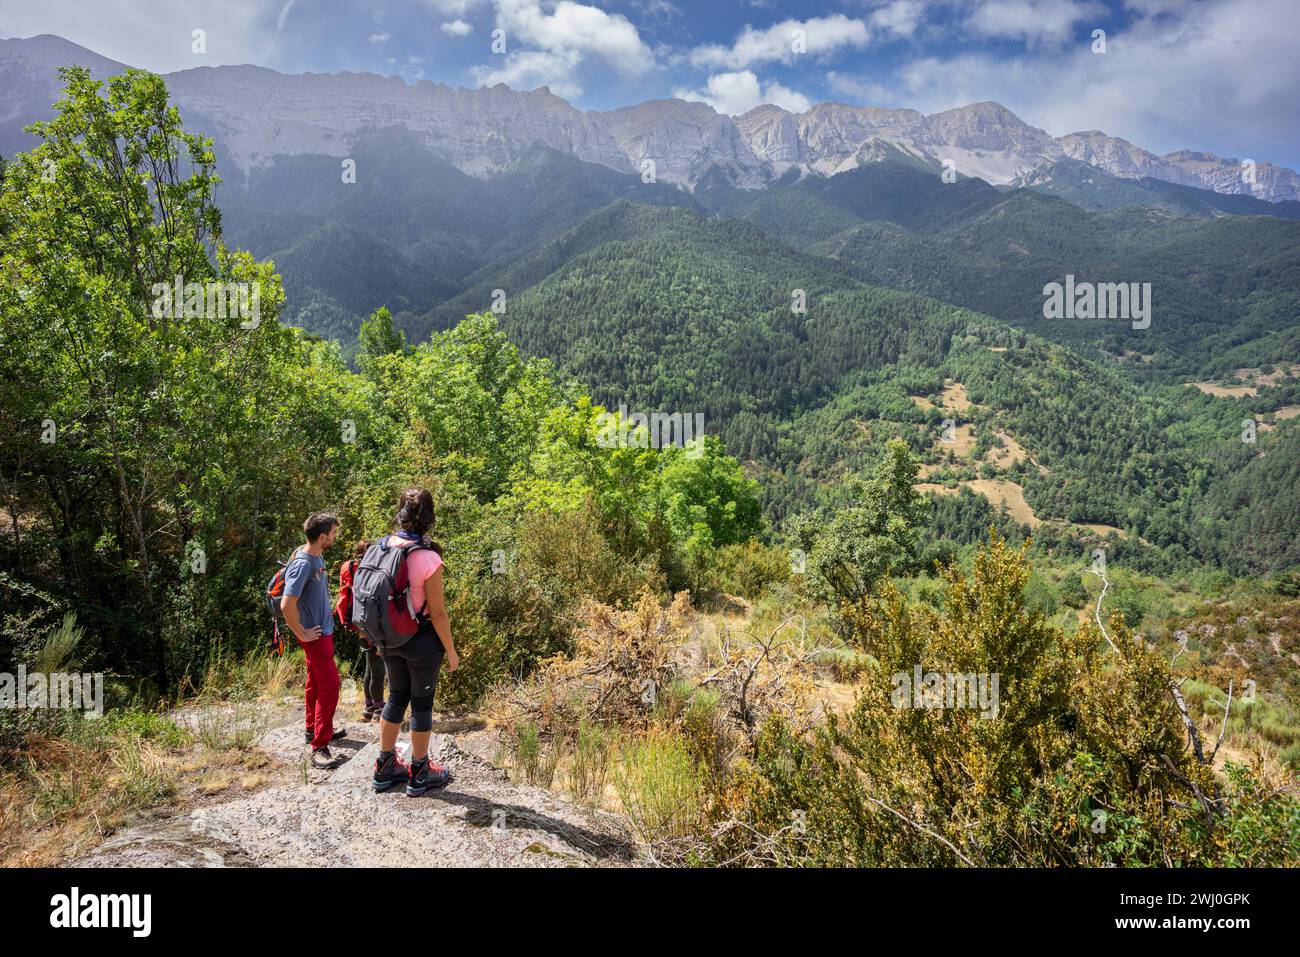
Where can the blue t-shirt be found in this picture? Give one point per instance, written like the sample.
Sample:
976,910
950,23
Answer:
306,578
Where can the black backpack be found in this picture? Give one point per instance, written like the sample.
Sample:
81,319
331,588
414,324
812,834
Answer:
380,584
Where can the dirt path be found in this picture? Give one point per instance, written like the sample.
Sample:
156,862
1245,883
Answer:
333,818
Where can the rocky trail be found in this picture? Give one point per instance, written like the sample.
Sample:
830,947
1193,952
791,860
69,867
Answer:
310,818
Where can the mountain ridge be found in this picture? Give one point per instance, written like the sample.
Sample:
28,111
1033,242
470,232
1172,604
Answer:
260,113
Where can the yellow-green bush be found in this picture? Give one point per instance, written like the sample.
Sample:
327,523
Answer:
661,788
747,569
1084,764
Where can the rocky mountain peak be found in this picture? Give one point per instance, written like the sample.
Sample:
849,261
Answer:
257,114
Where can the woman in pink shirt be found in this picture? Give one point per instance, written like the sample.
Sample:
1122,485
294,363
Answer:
412,668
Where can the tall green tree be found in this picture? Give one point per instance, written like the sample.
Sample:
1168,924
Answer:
377,339
708,501
849,550
157,441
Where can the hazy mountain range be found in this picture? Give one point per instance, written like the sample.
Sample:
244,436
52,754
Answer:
256,115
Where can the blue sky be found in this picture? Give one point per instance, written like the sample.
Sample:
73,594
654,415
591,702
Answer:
1217,75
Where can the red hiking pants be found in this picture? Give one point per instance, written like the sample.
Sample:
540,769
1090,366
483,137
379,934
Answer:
322,689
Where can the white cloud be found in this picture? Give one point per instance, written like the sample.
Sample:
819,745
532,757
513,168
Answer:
1220,75
380,37
1152,7
155,36
453,8
572,31
741,91
861,91
528,69
899,17
821,36
457,28
1032,21
786,98
657,9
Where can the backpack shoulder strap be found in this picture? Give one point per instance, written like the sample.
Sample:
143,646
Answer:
408,546
297,555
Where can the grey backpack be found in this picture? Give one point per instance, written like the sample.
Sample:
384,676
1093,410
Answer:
379,590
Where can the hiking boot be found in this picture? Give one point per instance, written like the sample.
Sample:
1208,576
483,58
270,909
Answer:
426,776
322,760
390,770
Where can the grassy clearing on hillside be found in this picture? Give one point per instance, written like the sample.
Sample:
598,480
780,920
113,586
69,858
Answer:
63,790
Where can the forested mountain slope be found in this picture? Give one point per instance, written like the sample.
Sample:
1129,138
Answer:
670,310
669,307
415,232
411,228
1216,284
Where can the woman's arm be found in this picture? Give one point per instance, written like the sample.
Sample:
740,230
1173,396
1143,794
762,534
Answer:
436,608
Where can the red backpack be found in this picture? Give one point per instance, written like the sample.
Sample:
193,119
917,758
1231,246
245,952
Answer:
343,607
274,594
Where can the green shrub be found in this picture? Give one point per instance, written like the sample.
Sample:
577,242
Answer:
705,734
1130,603
1040,596
226,726
1084,764
661,788
747,570
672,700
535,761
1263,828
1290,756
590,766
528,750
1071,590
929,590
850,549
145,725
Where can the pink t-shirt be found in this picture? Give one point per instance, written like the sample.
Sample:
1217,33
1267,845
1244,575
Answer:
419,566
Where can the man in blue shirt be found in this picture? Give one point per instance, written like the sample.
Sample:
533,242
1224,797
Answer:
310,616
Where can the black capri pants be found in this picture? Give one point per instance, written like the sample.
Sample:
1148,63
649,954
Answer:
412,671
